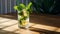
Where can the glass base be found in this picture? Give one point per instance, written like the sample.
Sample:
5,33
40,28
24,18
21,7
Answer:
24,27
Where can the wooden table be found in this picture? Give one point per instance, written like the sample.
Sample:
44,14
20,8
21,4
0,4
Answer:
9,25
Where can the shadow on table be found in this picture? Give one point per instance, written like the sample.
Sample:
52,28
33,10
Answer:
48,20
43,31
10,16
7,32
